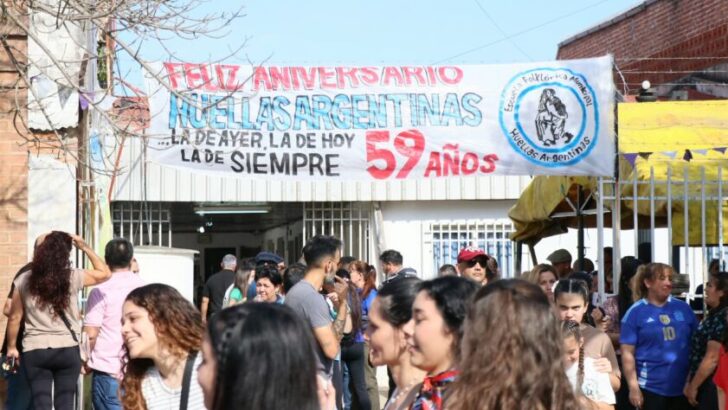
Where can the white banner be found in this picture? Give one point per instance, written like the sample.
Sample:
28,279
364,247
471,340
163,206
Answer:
384,123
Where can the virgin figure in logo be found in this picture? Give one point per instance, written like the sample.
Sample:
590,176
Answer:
551,119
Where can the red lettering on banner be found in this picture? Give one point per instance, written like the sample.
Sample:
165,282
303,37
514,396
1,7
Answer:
379,154
434,165
431,75
222,77
228,82
369,75
326,74
469,164
450,78
343,73
412,151
207,79
414,72
489,166
173,74
260,76
301,74
193,77
391,73
280,77
451,160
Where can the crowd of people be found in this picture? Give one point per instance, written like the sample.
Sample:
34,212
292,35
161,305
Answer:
311,335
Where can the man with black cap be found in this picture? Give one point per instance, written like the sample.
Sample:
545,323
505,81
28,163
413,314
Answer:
473,264
270,258
561,261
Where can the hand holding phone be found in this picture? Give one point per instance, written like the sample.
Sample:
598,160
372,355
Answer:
10,365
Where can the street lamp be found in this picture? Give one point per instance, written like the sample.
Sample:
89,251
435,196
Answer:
647,93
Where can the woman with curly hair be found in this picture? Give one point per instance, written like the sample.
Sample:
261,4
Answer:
47,302
162,334
259,356
510,353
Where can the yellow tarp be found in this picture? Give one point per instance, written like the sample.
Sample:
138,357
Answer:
665,131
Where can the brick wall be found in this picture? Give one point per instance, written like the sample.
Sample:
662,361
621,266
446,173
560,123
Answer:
658,29
13,162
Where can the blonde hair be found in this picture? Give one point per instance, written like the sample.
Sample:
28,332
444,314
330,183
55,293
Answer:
534,275
649,272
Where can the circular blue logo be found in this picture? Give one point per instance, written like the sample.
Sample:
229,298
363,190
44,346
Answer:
550,116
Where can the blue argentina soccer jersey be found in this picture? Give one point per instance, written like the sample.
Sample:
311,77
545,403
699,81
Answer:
661,336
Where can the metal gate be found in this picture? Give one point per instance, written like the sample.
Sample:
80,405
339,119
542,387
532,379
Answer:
687,189
348,221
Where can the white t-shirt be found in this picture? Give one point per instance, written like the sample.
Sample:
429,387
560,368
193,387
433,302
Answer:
159,396
596,385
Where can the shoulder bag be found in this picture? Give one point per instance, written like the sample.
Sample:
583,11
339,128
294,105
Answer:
186,379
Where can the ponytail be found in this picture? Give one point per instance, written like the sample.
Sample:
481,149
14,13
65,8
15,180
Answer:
649,272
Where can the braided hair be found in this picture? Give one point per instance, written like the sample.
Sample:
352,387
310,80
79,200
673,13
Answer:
570,328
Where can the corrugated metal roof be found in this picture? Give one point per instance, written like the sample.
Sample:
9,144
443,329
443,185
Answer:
179,185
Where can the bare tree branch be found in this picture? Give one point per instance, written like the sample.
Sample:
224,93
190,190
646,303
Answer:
125,28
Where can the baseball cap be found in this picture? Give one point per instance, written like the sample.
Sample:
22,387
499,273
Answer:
470,253
559,256
266,256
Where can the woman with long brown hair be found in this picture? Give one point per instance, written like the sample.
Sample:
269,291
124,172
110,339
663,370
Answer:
364,278
47,301
510,352
434,334
162,334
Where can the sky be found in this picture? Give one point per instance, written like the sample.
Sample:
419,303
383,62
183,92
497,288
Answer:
391,32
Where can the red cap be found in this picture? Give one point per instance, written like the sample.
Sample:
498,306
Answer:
470,253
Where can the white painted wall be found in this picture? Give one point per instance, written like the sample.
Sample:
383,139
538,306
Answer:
51,197
171,266
404,225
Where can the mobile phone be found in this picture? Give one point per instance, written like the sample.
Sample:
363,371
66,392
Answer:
10,365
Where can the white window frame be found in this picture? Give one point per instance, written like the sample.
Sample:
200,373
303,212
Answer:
445,239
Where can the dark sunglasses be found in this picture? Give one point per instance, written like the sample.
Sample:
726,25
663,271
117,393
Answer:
478,259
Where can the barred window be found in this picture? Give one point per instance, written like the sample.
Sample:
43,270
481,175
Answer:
348,221
490,235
